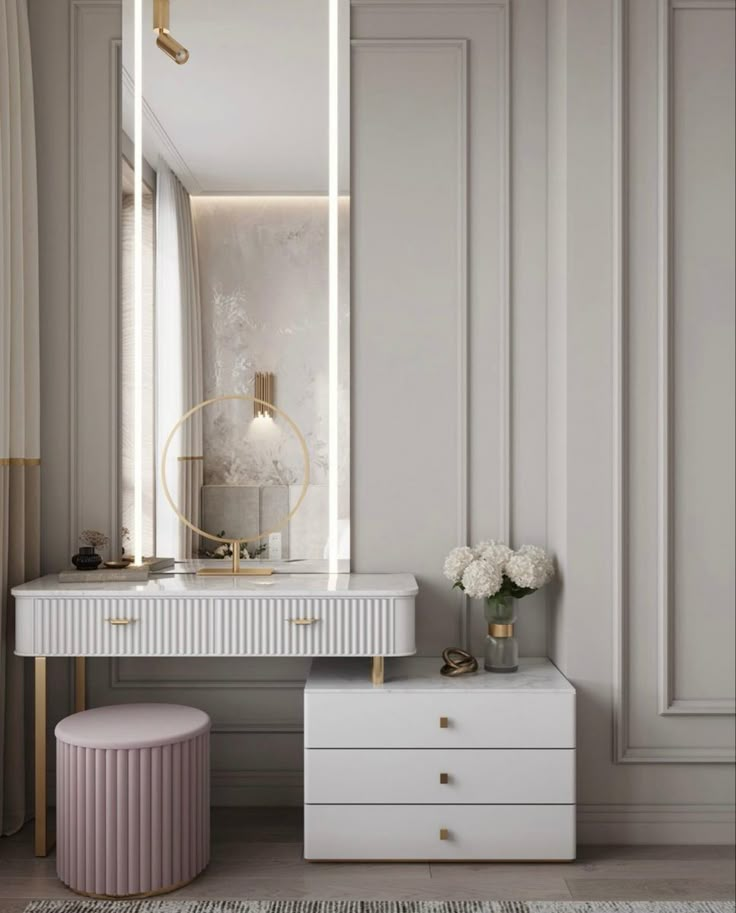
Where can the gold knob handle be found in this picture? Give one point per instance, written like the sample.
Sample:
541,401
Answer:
444,722
302,621
444,834
444,778
121,621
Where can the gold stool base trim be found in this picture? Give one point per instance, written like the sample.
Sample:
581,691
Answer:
142,896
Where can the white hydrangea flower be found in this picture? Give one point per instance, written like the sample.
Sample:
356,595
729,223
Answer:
456,562
482,579
530,567
493,552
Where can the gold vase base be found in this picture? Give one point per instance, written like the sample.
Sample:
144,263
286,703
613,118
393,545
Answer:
501,631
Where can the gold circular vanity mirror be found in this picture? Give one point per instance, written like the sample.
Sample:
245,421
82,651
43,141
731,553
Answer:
264,408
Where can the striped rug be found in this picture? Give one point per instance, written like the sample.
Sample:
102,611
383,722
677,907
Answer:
171,905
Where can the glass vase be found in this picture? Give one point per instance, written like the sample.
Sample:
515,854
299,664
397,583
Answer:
501,649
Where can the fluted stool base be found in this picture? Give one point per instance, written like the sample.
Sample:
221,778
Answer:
132,799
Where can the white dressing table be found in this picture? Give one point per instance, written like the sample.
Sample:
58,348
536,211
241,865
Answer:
347,615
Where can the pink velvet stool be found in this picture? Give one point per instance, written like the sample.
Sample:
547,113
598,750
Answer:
132,799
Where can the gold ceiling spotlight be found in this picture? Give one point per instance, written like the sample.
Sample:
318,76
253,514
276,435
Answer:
164,39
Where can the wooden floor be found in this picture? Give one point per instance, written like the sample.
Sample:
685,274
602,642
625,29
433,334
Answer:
257,855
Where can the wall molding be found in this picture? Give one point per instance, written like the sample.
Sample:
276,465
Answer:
118,682
257,787
254,727
620,608
623,752
461,47
703,4
503,343
668,703
387,5
165,146
633,823
505,392
78,11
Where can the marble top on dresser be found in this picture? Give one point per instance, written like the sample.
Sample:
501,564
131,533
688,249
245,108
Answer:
422,673
172,584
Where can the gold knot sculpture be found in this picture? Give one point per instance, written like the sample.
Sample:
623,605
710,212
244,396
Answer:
458,662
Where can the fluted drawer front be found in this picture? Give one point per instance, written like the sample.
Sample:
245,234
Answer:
132,821
441,832
215,626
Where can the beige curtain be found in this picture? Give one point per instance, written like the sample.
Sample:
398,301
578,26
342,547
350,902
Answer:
19,386
178,361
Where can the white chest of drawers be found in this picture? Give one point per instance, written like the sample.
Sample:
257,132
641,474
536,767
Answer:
480,767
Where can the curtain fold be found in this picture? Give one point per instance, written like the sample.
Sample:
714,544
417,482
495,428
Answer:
19,387
179,361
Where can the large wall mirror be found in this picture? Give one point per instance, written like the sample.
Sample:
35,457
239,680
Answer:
235,288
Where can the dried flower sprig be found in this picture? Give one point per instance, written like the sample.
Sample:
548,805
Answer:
94,538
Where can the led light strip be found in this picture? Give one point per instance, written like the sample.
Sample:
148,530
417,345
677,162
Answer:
333,287
138,283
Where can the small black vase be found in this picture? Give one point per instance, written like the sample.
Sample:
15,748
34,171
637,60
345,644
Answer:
87,559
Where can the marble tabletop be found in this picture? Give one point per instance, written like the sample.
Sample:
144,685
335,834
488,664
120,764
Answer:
422,673
189,584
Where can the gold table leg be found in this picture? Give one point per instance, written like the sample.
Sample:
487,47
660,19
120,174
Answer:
378,670
80,684
41,837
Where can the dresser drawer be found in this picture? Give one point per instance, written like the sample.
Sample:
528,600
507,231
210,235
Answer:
439,776
477,719
404,832
199,625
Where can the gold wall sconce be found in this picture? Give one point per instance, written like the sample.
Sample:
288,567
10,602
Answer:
263,395
164,39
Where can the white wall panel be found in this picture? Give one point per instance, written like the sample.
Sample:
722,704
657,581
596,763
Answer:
679,352
699,634
410,316
614,323
479,361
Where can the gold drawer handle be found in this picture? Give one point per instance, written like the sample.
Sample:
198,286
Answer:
121,621
302,621
444,722
444,834
444,778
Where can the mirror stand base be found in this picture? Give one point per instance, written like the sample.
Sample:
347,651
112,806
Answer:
236,569
229,572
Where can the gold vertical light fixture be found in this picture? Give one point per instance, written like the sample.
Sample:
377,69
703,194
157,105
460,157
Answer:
263,395
164,39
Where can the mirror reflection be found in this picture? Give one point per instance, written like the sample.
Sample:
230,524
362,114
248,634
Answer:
243,293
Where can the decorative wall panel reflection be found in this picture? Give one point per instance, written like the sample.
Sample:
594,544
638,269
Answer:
263,287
